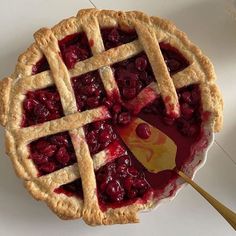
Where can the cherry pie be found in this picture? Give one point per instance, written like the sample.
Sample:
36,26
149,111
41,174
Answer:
84,78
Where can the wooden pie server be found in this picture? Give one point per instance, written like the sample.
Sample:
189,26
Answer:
157,153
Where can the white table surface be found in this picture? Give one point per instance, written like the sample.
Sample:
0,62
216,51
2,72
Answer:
208,24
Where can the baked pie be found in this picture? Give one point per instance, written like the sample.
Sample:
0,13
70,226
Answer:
81,80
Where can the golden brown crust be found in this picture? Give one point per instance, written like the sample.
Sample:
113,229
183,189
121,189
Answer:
164,81
151,30
5,87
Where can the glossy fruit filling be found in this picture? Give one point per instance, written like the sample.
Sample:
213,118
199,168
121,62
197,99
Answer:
122,180
99,135
114,37
40,66
52,153
186,129
132,75
74,48
43,105
143,131
174,60
89,91
40,106
71,189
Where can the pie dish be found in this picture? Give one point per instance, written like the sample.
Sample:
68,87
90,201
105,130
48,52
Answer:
83,78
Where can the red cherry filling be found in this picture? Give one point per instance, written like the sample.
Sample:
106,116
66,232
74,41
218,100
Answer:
89,90
174,60
120,115
119,181
52,153
99,135
40,106
70,189
189,121
40,66
143,131
74,48
135,73
132,75
185,130
114,37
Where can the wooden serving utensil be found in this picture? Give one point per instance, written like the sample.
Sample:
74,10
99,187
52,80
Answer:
156,151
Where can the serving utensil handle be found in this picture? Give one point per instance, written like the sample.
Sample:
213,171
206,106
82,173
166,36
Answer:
228,214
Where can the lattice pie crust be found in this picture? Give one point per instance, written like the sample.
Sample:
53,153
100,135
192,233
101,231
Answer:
150,30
